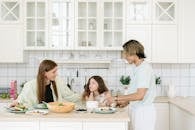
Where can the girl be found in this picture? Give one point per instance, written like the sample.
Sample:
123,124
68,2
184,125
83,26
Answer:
96,90
46,87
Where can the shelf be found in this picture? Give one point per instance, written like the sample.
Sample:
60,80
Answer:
84,61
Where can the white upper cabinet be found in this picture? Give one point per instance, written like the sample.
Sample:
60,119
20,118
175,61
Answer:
10,11
99,24
186,31
113,24
11,37
61,24
164,44
143,34
164,32
36,24
139,23
11,31
164,11
138,12
86,24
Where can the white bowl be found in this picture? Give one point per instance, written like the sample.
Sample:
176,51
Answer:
91,105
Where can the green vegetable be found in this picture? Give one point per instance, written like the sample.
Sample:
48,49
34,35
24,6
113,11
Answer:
4,95
61,104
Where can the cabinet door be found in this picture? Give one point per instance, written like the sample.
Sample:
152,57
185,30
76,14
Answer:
138,11
165,44
36,21
61,24
164,11
100,24
142,33
113,24
11,50
19,125
46,125
186,31
86,24
162,116
10,11
105,126
181,119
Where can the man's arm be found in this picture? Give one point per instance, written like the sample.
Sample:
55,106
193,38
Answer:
137,96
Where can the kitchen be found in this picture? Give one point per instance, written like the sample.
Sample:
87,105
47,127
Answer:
85,38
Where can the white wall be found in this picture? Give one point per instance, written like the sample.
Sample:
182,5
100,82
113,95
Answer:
181,75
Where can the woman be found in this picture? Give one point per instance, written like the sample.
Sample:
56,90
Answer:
46,87
142,88
96,90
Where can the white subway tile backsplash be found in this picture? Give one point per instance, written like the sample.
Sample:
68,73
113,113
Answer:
191,91
175,69
192,72
185,81
175,81
184,70
180,75
167,70
192,82
3,72
3,81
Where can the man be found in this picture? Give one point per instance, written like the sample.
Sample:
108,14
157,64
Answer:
142,88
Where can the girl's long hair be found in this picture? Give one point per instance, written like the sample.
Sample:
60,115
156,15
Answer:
45,66
101,86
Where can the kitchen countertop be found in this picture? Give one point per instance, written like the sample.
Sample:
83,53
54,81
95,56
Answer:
161,99
120,115
185,103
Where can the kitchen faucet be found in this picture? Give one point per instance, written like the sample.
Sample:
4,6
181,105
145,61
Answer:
71,82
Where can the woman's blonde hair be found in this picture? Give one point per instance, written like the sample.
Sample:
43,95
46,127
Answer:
45,66
133,47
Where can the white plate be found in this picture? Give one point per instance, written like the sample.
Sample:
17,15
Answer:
40,106
37,112
105,110
12,110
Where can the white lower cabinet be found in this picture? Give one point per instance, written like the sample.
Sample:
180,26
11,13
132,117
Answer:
180,119
19,125
162,116
105,126
60,125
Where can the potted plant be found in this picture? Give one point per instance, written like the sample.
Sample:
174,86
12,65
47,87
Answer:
125,81
158,80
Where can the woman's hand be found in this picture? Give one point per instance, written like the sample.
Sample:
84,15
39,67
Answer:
14,103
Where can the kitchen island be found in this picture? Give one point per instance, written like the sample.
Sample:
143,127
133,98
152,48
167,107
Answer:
65,121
